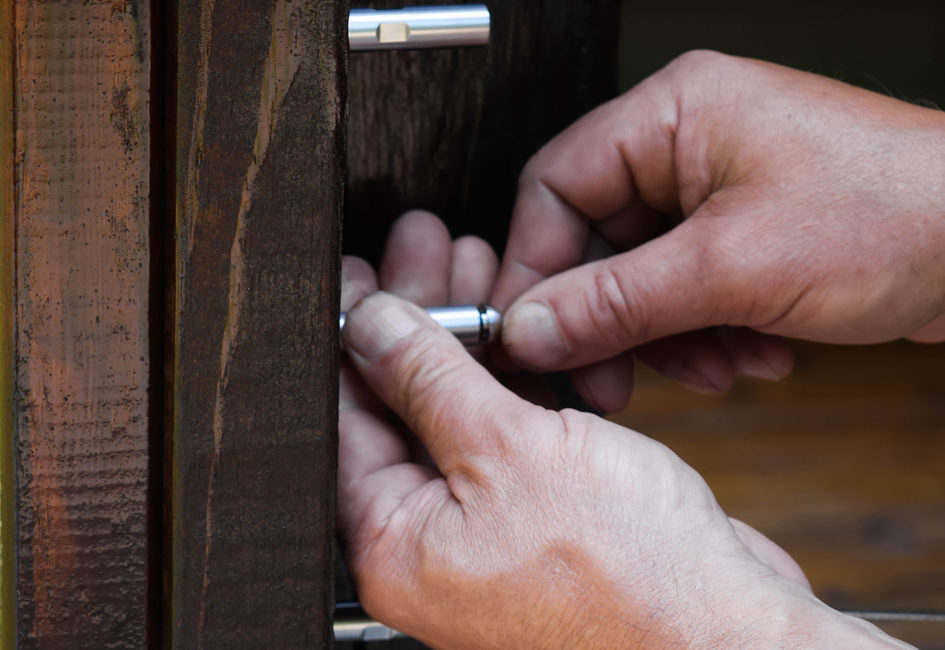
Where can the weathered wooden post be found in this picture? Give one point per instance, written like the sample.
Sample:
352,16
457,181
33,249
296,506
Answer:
168,326
258,176
74,420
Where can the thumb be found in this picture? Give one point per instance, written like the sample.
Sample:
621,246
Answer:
669,285
454,405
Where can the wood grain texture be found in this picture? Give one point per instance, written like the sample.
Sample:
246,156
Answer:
7,419
80,233
259,176
449,130
842,464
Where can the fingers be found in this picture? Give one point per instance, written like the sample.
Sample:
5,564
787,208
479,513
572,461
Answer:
600,310
373,463
417,259
708,361
452,403
607,385
423,265
757,355
698,360
357,280
607,162
474,268
373,473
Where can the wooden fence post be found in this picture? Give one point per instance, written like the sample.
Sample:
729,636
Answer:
74,208
259,164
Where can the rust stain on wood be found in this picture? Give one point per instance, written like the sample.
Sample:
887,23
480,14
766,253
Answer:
81,323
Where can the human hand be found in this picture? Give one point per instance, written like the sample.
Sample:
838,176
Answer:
535,528
806,208
422,264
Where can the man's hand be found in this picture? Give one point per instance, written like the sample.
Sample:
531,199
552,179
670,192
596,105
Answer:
802,207
476,519
535,528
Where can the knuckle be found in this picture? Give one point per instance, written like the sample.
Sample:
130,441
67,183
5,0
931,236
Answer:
614,300
428,376
531,172
696,61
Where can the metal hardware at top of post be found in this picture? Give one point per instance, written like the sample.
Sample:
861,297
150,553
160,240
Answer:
418,27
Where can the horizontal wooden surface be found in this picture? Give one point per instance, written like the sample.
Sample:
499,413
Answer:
843,465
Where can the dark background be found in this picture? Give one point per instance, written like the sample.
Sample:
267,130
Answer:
896,48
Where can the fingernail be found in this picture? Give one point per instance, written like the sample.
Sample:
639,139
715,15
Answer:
531,333
377,323
689,376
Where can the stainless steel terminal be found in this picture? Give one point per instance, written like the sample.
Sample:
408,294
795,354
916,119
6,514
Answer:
471,324
418,27
353,624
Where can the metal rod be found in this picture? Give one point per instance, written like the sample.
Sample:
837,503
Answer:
418,27
471,324
353,624
916,616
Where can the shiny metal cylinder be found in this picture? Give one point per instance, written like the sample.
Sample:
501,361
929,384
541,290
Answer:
418,27
365,631
471,324
352,624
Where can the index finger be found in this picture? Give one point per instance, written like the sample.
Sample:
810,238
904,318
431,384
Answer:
590,172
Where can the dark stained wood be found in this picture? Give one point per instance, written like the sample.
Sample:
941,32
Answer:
78,221
449,130
7,285
842,464
259,173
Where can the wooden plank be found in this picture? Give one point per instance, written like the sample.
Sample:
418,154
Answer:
7,211
80,233
449,130
259,166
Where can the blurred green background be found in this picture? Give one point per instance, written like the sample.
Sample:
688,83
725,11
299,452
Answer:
897,48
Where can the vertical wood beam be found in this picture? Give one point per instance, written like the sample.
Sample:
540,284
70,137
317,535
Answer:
77,222
259,176
7,214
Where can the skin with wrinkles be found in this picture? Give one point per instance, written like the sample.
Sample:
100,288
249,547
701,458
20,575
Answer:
720,192
803,207
514,526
